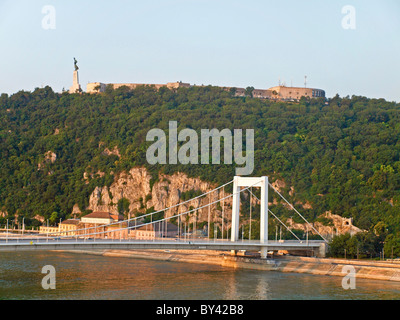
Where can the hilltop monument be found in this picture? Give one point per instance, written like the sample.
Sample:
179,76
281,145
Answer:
76,87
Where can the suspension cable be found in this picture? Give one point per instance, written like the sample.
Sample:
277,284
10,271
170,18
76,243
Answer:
143,216
297,212
277,218
177,215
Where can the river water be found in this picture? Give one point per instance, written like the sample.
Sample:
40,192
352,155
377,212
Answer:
90,277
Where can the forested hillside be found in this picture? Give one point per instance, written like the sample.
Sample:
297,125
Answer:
340,156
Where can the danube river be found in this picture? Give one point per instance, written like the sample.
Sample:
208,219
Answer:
88,277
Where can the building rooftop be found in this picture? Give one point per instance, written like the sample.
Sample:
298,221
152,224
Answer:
104,215
71,221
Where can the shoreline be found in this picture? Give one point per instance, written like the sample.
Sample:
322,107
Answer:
365,269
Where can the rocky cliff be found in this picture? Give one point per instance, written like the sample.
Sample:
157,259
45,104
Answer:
337,226
166,192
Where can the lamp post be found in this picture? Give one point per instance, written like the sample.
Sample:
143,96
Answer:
392,253
251,198
307,236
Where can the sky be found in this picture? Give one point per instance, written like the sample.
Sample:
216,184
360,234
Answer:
203,42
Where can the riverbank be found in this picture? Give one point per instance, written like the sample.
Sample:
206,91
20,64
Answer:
366,269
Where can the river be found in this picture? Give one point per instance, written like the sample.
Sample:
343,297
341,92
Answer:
91,277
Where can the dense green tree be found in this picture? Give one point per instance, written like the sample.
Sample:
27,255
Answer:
249,91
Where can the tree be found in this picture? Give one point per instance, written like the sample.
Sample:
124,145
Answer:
123,206
249,92
53,218
392,246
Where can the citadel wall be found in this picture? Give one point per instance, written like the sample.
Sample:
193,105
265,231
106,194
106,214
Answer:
280,93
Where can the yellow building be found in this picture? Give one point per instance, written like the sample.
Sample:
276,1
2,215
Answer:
160,229
65,228
294,93
49,230
103,225
69,227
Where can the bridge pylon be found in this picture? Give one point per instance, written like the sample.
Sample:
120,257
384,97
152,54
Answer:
260,182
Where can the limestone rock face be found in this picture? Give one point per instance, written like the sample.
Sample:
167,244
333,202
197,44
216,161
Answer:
166,192
114,152
76,211
39,218
49,157
338,226
279,185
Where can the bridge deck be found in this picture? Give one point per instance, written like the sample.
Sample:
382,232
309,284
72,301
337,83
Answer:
43,245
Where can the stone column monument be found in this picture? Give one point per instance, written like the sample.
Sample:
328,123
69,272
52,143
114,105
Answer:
76,87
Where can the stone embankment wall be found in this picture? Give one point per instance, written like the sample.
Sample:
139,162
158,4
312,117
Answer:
374,270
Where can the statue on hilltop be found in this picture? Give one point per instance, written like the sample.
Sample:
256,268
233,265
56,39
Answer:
76,87
76,65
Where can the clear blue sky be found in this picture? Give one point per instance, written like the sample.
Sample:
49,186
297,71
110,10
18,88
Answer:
218,42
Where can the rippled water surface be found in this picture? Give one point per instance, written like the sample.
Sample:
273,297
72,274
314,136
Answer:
87,277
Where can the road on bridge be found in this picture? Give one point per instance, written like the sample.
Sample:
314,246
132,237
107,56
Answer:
26,244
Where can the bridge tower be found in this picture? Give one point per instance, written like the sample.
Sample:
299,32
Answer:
260,182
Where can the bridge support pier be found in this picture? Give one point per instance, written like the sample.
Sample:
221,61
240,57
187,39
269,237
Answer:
264,253
258,182
323,249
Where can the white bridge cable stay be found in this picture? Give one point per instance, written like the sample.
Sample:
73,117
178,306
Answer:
278,219
179,204
164,219
298,212
175,216
61,233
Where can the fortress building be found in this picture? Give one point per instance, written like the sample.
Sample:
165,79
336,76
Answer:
97,87
294,93
279,93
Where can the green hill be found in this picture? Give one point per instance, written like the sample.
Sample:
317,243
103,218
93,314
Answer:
342,155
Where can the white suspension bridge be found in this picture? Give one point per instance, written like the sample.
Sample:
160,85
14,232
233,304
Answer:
109,236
